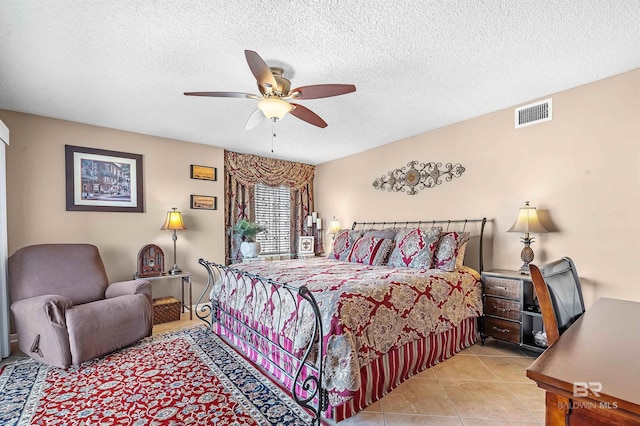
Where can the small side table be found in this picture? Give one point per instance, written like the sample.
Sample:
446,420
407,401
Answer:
185,280
253,259
308,256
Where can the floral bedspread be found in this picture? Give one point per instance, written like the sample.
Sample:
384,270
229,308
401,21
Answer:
366,310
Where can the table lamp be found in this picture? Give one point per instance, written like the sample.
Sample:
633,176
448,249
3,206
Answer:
527,222
334,227
174,223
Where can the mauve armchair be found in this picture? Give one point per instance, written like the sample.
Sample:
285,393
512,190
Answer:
66,312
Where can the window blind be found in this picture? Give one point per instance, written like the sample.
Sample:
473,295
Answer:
273,209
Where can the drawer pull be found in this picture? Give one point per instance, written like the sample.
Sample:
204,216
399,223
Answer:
501,309
501,330
502,287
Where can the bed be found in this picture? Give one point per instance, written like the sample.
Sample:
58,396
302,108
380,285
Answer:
341,331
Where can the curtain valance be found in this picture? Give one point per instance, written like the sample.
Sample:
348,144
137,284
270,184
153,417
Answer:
250,169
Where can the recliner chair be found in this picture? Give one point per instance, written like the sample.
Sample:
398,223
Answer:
66,312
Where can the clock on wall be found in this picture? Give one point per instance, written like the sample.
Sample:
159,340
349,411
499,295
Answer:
150,261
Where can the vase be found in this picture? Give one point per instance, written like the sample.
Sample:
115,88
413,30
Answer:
250,249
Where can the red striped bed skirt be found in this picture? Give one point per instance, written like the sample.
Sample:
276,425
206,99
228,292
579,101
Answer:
381,376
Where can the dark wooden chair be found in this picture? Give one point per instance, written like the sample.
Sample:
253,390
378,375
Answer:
559,295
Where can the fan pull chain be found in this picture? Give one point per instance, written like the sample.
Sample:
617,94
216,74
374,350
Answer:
273,132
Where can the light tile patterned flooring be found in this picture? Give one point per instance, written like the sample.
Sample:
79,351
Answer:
482,385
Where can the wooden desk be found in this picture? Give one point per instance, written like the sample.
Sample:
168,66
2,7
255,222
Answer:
592,374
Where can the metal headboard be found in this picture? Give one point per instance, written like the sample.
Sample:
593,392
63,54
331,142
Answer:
419,223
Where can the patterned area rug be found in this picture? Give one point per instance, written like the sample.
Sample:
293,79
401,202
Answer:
183,377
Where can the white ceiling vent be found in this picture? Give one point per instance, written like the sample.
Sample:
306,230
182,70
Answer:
534,113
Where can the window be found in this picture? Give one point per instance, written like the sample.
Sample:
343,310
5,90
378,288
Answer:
273,209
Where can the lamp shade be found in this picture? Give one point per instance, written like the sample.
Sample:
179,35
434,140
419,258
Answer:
173,222
527,221
334,226
274,108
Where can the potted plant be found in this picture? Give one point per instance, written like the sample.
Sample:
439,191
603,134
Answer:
247,231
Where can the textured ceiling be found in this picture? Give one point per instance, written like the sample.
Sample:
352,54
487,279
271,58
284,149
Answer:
417,65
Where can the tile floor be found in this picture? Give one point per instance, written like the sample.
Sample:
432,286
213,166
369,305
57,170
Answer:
482,385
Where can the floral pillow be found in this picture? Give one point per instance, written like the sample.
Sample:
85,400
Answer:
415,248
342,244
451,244
381,233
371,251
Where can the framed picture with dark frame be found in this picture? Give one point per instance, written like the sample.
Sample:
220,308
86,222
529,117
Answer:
98,180
203,172
204,202
305,245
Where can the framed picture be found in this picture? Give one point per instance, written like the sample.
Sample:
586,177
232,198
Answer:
305,245
203,172
204,202
101,180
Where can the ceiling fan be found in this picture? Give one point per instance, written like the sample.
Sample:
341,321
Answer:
275,93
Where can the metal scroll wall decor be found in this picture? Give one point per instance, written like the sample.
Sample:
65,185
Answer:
416,175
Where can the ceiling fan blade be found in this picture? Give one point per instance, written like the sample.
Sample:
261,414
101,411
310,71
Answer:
222,94
305,114
260,69
255,118
323,90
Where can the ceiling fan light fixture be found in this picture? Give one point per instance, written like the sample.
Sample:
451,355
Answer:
275,91
274,108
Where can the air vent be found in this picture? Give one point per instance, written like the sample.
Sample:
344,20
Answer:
534,113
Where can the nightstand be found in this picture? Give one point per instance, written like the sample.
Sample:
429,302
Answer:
511,313
185,278
307,256
267,258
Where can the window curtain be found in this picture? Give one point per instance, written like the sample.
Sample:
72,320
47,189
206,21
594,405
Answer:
243,172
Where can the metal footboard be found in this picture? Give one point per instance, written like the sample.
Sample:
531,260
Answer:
260,299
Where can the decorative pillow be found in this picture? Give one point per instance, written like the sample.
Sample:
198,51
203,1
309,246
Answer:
371,251
342,244
449,249
460,256
381,233
415,248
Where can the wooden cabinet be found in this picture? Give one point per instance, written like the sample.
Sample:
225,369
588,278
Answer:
510,312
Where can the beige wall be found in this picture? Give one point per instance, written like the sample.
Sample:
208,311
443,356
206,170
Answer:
581,169
37,209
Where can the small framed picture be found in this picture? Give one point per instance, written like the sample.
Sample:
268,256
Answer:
203,172
204,202
305,245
